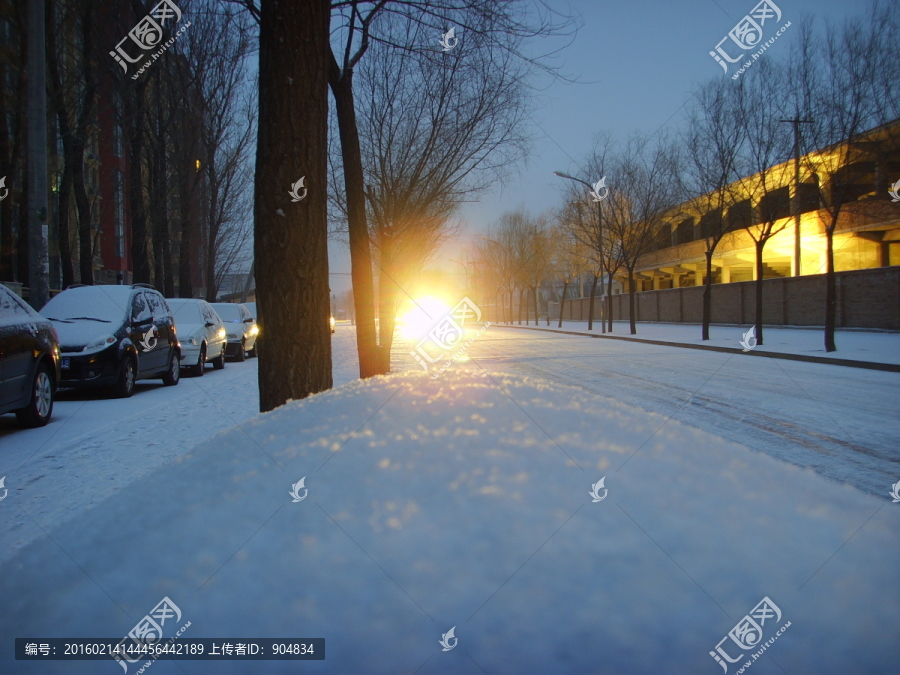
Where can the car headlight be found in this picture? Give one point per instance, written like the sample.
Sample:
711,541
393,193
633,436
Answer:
221,333
100,343
254,330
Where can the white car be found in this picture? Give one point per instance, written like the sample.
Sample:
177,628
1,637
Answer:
241,327
201,332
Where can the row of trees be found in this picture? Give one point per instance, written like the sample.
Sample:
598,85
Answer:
836,83
181,133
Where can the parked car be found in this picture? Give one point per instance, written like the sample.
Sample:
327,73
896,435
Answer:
241,327
29,361
114,335
201,333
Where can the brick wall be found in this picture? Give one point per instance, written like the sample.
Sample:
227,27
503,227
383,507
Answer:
865,299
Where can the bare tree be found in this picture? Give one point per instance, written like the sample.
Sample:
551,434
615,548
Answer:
713,141
767,144
73,85
646,186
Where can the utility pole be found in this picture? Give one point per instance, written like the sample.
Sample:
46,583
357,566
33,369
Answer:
795,205
38,263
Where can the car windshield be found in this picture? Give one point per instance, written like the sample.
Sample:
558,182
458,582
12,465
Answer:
185,312
228,311
91,303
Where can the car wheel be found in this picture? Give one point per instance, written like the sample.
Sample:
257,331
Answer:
198,368
173,374
124,386
240,356
40,407
219,361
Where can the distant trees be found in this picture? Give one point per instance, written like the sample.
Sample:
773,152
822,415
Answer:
733,154
146,175
568,260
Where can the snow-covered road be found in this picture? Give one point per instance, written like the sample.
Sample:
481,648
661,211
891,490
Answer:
842,422
404,491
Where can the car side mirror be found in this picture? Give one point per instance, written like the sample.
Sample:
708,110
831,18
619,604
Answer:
248,320
209,324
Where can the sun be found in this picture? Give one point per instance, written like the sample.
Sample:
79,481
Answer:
421,317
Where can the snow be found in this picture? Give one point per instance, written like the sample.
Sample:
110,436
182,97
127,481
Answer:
842,422
96,445
856,345
229,312
106,306
464,501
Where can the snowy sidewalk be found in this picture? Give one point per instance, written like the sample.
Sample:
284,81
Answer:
464,502
875,348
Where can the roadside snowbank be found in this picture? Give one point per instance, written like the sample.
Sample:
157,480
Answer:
464,501
855,345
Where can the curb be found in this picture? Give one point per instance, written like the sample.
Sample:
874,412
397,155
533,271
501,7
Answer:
849,363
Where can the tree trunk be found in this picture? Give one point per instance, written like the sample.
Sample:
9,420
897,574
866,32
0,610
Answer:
830,290
185,276
65,248
290,244
21,258
139,256
65,131
522,303
707,296
370,360
609,303
562,303
158,203
759,291
387,300
212,230
591,304
535,302
631,318
83,208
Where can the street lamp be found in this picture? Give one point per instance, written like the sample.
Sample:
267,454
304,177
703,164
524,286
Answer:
599,231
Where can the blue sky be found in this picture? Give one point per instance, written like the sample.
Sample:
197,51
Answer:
636,63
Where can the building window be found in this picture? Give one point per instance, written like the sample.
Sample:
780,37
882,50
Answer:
119,204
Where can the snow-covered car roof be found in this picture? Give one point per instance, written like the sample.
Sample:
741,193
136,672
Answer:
83,313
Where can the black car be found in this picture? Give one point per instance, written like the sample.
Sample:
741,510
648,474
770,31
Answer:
29,361
114,335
